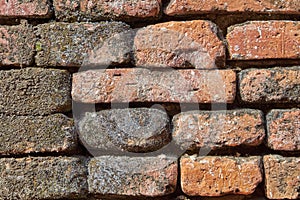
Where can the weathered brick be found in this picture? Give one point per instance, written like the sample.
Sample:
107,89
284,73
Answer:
191,7
284,129
282,177
257,40
273,85
25,9
42,178
128,10
217,176
31,134
132,176
185,44
68,44
34,91
215,129
16,48
144,85
132,129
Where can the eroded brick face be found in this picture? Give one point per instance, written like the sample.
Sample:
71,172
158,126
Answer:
185,44
217,176
24,9
132,176
284,129
282,177
84,10
280,85
256,40
216,129
191,7
16,49
144,85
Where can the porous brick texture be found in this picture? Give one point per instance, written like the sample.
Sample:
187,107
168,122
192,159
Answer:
216,129
34,91
191,7
42,178
16,49
36,134
256,40
143,85
217,176
83,10
25,9
281,85
132,176
284,129
173,44
282,177
68,44
133,130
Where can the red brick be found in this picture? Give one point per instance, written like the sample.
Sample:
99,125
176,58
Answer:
197,129
16,48
83,10
217,176
274,85
23,8
284,129
282,177
143,85
256,40
191,7
132,176
183,44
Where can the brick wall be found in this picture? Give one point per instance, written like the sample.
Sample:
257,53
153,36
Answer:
156,99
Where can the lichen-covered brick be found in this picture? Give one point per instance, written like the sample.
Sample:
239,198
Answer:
16,48
34,91
68,44
284,129
36,134
216,129
42,178
218,176
24,9
85,10
273,85
145,85
257,40
192,7
183,44
132,176
282,177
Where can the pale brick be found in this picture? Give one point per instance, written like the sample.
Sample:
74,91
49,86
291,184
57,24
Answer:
217,176
143,85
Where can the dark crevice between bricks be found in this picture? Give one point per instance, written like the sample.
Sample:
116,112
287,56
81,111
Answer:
265,63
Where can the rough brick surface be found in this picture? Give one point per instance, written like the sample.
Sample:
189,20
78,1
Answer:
257,40
272,85
284,129
189,44
132,176
217,176
282,177
83,10
133,129
197,129
16,49
34,91
23,8
68,44
143,85
42,178
191,7
28,134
